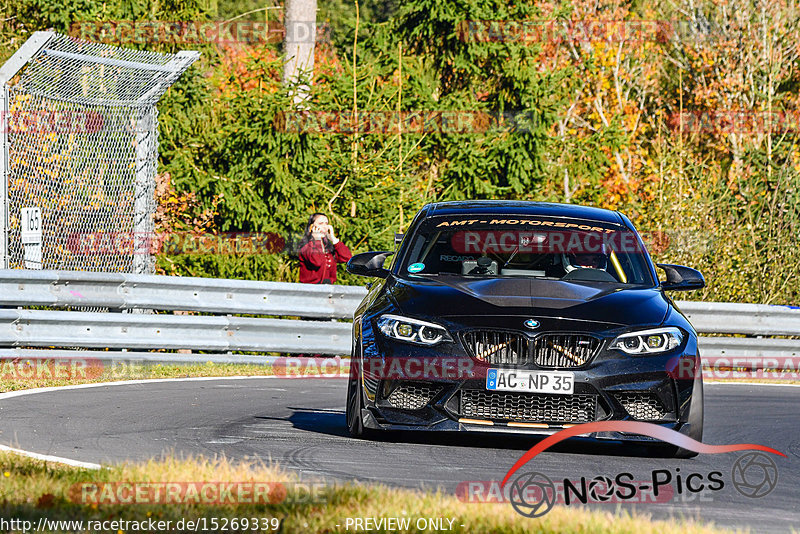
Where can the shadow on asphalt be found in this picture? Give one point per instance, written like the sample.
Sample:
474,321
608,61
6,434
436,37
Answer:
332,423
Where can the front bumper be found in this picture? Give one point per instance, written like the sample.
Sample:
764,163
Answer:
449,425
613,386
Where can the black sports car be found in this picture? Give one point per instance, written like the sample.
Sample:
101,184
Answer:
521,317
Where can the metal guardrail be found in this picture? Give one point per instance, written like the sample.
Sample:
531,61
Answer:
118,291
227,333
747,347
133,358
38,328
751,319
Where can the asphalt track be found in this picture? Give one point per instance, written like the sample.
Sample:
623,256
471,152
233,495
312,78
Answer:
300,424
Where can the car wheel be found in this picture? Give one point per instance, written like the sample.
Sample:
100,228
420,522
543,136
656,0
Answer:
695,421
355,423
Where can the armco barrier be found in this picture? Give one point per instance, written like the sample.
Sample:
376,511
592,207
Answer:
118,291
37,328
752,319
226,333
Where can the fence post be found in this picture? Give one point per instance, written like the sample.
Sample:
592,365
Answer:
10,68
144,189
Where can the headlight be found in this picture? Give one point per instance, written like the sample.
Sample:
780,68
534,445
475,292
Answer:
412,330
649,341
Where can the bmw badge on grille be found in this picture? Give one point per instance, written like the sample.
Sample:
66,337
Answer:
531,323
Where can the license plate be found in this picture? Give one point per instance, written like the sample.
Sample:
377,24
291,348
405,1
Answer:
557,382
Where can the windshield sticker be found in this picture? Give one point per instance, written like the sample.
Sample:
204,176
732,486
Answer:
542,242
529,222
416,267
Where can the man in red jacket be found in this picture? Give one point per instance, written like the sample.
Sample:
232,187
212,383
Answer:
320,251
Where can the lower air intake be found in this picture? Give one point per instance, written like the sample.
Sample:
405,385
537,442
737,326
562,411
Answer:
411,396
641,406
526,407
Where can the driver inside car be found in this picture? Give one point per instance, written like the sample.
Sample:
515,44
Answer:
584,260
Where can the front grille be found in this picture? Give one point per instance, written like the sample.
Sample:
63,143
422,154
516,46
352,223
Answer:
546,350
527,407
642,406
564,350
412,395
497,348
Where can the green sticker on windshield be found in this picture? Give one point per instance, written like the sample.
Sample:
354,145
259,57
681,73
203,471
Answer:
416,267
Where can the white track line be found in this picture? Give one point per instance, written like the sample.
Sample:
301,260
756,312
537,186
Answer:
48,458
21,392
89,465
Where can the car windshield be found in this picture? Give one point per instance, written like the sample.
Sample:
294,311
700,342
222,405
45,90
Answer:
541,247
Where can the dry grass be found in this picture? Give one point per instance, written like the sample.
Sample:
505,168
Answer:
753,380
32,488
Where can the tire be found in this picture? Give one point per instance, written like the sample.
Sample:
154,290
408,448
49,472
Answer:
695,420
355,399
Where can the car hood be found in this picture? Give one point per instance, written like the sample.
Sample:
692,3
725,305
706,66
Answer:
587,301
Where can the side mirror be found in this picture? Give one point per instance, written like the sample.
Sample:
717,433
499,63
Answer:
369,264
680,278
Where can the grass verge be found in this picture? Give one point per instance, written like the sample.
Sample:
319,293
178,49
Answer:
12,381
33,490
